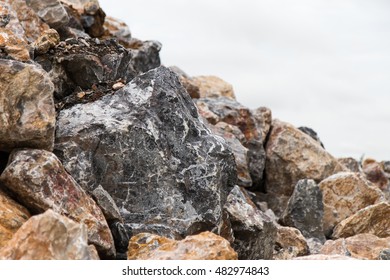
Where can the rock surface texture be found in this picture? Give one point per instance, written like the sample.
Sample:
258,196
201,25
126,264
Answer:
203,246
290,243
147,148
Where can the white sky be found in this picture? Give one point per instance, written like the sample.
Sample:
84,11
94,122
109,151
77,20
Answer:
319,63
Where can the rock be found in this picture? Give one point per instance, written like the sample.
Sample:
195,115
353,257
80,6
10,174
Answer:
309,131
384,254
190,86
118,29
51,11
305,210
343,195
26,99
254,232
146,146
13,46
117,86
41,183
12,217
227,110
5,15
263,117
373,219
145,55
48,236
212,87
203,246
93,20
290,243
107,204
240,152
81,5
361,246
321,257
291,156
49,39
121,235
351,164
375,173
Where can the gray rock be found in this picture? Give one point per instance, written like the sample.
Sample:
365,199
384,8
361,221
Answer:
305,210
263,117
350,163
146,146
254,232
107,204
51,11
384,254
312,134
27,109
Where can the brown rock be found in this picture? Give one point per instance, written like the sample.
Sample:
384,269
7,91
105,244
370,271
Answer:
118,29
350,163
263,117
375,173
291,155
191,87
290,243
13,46
41,183
12,217
322,257
213,87
373,219
48,236
49,39
344,194
361,246
203,246
28,114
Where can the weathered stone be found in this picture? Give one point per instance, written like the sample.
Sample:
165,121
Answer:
118,29
321,257
80,5
291,156
146,146
343,195
51,11
263,117
190,86
107,204
48,236
212,87
373,219
350,163
375,173
384,254
12,217
41,183
203,246
27,109
5,15
361,246
290,243
93,21
49,39
305,210
145,55
227,110
121,235
309,131
13,46
254,232
240,152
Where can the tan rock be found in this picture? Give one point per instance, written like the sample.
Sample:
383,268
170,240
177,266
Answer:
373,219
203,246
212,87
292,155
13,46
48,236
290,243
41,183
375,173
27,108
350,163
49,39
344,194
361,246
191,87
322,257
12,217
118,29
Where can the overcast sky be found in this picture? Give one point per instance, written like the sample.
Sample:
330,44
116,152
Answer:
319,63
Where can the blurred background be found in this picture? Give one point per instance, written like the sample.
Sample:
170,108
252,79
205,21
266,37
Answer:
324,64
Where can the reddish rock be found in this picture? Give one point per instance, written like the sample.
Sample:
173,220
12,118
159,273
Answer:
375,173
13,46
12,217
373,219
344,194
290,243
49,236
361,246
41,183
291,156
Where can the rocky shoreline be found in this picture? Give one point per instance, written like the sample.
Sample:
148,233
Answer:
107,154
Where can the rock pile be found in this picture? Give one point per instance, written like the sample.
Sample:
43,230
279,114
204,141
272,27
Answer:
107,154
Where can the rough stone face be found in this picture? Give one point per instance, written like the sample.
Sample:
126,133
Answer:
107,204
227,110
27,109
309,131
203,246
254,232
373,219
5,15
12,217
13,46
41,183
48,236
51,11
291,156
290,243
146,146
384,254
213,87
361,246
49,39
343,195
305,210
118,29
351,164
375,173
263,117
